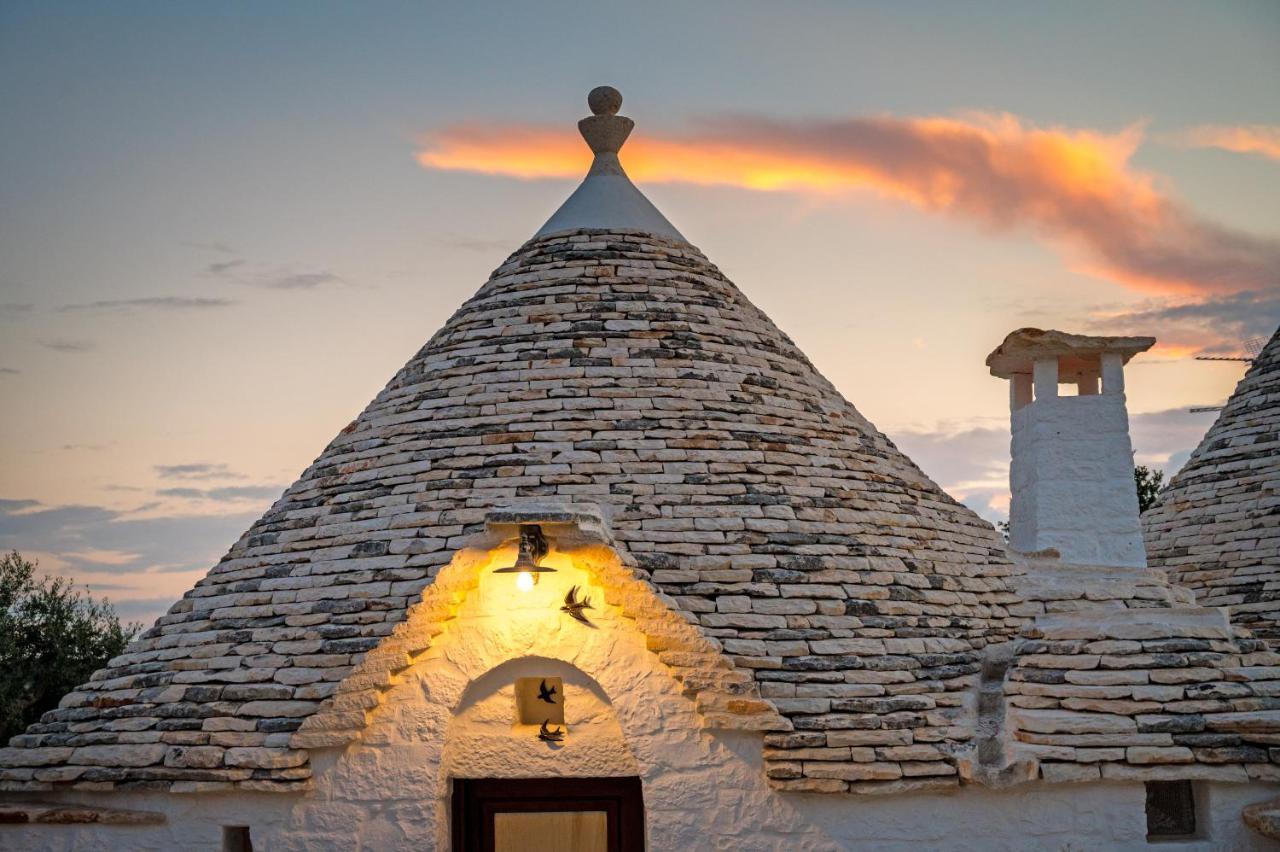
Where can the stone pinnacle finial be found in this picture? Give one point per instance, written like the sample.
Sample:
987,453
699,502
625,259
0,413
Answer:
607,198
604,100
605,130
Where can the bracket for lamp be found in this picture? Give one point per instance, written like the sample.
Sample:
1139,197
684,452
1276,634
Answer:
533,547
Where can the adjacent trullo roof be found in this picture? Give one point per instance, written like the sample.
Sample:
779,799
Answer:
845,599
1216,527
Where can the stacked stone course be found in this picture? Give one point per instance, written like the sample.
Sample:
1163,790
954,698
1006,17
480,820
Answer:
1121,677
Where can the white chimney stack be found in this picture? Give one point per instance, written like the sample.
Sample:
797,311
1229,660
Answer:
1072,468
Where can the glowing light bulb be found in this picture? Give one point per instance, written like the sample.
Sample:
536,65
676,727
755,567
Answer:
524,581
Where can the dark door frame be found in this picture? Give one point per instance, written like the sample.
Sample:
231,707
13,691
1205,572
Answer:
476,800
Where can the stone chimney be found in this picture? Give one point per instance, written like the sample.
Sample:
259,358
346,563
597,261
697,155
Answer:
1072,469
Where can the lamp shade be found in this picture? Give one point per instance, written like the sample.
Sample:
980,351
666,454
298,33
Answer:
532,548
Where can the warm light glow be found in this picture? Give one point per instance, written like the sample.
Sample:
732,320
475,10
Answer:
1073,187
524,581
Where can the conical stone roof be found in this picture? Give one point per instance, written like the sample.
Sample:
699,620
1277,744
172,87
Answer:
607,366
1216,527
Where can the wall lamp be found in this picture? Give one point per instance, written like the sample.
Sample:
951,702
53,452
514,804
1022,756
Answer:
533,546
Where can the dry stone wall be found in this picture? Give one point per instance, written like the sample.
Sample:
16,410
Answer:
1121,677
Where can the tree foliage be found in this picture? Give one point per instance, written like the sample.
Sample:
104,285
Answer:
1148,482
53,636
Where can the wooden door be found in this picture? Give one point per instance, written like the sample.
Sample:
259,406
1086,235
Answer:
548,815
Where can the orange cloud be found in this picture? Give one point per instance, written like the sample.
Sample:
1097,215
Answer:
1220,325
1243,139
1072,187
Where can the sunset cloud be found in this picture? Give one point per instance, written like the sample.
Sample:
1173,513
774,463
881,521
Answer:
225,494
70,346
164,303
133,558
1261,139
196,470
241,271
1073,188
1214,326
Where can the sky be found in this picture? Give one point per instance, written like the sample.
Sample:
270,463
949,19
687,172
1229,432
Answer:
224,226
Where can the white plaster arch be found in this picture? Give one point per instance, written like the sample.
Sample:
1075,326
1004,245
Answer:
726,696
484,739
447,708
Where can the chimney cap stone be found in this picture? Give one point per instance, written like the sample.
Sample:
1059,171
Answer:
1077,354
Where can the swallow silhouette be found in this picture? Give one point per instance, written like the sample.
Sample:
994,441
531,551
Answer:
550,735
545,693
574,607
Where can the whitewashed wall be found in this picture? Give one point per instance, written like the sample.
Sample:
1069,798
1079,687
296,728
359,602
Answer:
453,714
1071,476
1065,818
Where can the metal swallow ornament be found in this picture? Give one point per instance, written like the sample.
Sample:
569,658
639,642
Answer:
550,735
574,607
546,693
